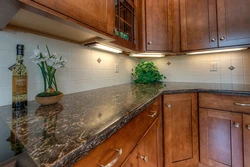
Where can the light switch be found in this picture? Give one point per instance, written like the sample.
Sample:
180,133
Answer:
213,66
116,68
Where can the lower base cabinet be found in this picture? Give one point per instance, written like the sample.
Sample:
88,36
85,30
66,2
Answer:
140,136
148,152
224,130
220,138
180,130
246,139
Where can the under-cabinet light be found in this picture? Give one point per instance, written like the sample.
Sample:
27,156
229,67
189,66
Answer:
216,51
105,47
147,55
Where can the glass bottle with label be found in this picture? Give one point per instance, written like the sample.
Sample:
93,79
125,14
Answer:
19,81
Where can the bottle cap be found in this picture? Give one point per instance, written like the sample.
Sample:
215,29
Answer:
20,49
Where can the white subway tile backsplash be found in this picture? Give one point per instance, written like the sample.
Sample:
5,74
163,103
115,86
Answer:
196,68
83,72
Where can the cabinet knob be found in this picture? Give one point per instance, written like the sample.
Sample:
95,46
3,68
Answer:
149,43
237,125
168,105
222,38
248,127
144,158
213,40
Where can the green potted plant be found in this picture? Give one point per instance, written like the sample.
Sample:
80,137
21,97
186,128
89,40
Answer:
147,73
48,64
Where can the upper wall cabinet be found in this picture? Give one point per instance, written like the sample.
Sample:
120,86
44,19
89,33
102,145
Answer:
233,22
199,26
97,14
126,28
155,27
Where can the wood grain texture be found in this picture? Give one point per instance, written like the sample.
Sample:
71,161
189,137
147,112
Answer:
220,140
233,22
198,27
132,160
157,23
148,147
224,102
246,134
181,130
96,15
126,138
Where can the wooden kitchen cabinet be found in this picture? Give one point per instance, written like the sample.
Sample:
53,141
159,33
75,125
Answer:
180,130
148,152
98,14
233,22
220,138
155,25
199,20
117,149
198,24
246,139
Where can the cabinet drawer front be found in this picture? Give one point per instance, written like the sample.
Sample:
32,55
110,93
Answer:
126,139
225,102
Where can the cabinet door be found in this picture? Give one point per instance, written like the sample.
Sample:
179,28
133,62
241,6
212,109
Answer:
150,147
98,14
198,24
220,138
233,22
246,132
132,160
157,26
180,130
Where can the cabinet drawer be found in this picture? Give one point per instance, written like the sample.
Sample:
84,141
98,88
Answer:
126,139
225,102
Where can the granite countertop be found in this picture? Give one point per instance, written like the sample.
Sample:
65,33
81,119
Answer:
61,134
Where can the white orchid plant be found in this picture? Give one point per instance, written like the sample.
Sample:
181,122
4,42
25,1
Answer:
48,63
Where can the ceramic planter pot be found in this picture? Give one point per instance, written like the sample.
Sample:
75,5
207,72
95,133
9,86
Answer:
49,100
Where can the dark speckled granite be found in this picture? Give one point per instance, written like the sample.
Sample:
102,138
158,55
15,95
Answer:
61,134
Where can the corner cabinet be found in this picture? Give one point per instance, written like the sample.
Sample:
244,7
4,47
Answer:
155,25
180,130
136,144
199,27
97,15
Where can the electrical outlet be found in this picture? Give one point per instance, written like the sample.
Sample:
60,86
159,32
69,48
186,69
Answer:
116,68
213,66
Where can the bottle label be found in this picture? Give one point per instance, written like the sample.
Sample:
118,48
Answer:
19,88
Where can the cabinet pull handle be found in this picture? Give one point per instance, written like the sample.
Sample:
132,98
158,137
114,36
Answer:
153,114
242,104
222,38
168,105
112,163
149,42
144,158
213,40
237,125
248,127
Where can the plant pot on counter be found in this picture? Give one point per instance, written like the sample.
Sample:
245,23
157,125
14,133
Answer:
49,100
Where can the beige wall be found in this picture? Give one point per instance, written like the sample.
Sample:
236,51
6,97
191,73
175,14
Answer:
196,68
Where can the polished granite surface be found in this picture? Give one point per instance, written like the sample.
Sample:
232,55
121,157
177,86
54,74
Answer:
61,134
